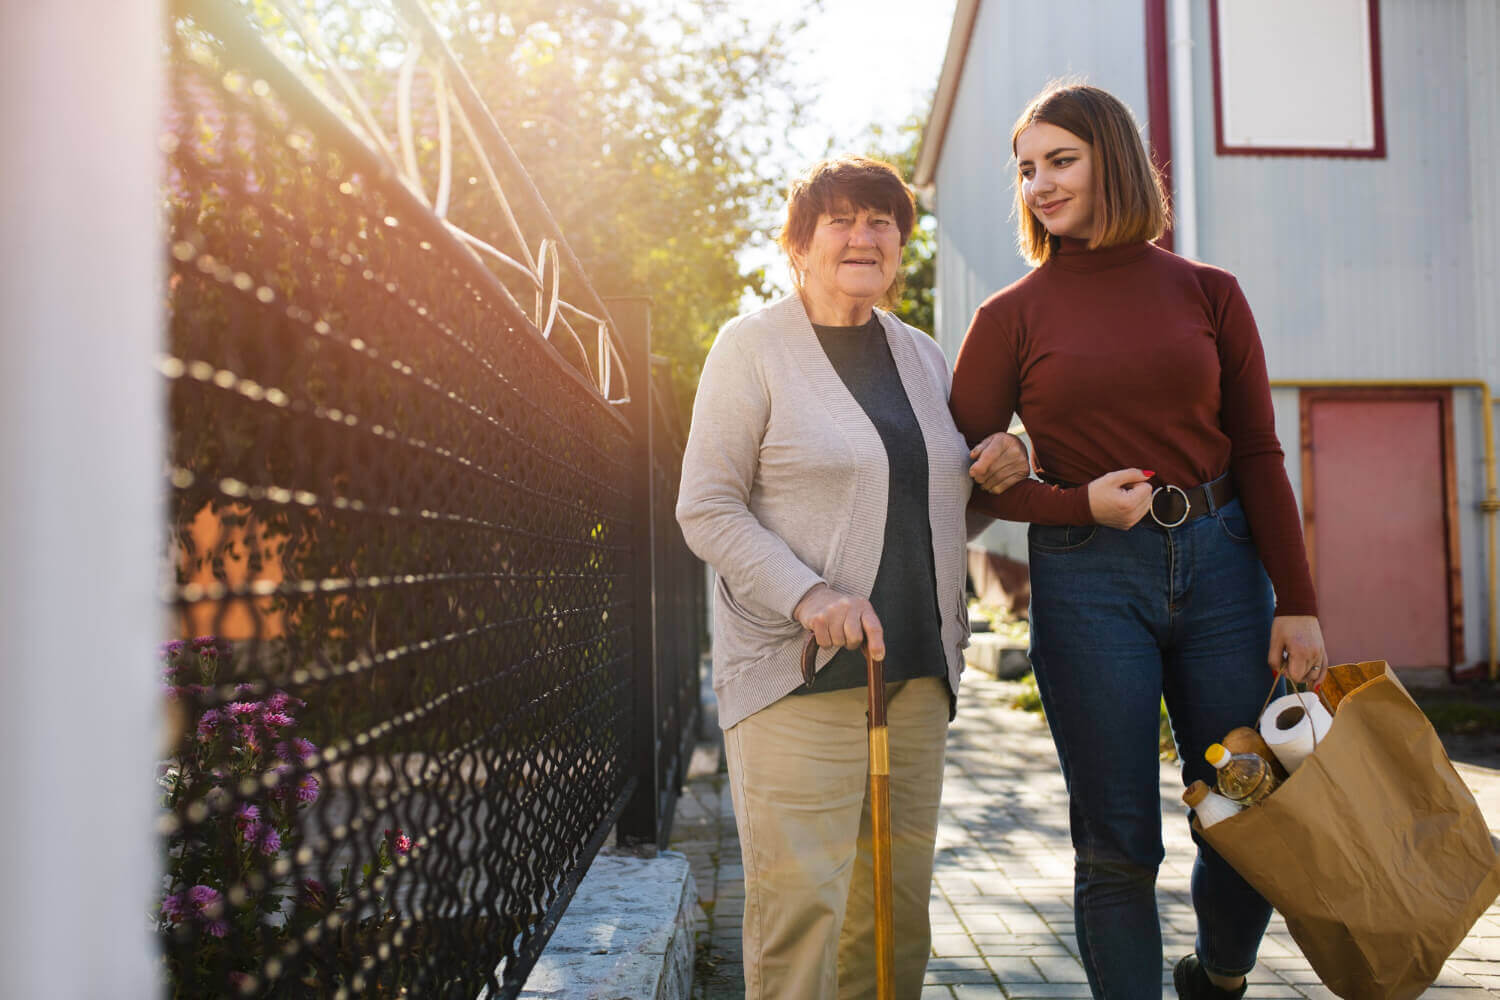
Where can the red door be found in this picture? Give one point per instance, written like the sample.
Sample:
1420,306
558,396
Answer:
1376,494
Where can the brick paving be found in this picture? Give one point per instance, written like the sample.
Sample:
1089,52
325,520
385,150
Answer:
1002,911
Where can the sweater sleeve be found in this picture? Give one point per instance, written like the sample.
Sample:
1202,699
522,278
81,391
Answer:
719,466
1256,460
986,389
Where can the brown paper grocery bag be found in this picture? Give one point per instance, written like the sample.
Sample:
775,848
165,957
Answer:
1374,850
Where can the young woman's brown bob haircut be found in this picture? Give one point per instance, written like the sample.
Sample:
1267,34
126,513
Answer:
1130,203
853,181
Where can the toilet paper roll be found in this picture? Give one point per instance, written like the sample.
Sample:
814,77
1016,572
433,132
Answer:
1292,725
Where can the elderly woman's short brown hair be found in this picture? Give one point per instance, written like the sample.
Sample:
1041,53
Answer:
1130,203
855,181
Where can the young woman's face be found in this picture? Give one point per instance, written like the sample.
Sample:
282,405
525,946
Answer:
1057,179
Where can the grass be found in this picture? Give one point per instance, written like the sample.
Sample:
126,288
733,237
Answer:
1460,710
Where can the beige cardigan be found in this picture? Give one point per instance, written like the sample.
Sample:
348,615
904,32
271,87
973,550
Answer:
784,486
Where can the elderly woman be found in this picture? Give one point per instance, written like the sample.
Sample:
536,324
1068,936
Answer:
825,481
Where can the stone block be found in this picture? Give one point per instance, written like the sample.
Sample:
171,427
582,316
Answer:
627,934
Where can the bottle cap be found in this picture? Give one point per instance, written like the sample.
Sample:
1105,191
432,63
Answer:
1196,793
1216,755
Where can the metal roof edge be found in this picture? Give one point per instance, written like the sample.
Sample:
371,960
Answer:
964,17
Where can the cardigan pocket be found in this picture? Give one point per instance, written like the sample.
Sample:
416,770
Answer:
761,619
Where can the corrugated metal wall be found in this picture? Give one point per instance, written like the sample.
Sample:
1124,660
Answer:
1359,268
1356,268
1379,269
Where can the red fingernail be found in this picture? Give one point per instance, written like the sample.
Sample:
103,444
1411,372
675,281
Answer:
1147,473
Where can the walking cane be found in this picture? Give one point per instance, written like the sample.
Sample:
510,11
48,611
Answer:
880,815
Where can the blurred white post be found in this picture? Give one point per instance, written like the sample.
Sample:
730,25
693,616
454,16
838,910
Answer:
80,473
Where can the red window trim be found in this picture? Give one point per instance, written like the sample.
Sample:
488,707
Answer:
1375,152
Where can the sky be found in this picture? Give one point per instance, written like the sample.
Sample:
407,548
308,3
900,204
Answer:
863,62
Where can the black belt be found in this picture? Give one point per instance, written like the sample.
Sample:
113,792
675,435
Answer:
1174,505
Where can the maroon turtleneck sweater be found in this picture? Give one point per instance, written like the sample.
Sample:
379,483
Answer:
1127,357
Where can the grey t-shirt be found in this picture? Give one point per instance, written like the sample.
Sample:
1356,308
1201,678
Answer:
905,591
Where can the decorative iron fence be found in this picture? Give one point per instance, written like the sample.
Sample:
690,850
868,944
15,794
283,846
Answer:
448,629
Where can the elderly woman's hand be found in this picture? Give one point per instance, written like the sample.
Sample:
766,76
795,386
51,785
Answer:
1000,461
838,619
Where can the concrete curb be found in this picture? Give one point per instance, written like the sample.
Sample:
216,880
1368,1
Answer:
627,935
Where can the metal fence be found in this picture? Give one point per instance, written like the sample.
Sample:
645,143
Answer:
439,628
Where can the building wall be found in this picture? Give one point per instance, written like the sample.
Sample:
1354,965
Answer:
1361,269
1379,269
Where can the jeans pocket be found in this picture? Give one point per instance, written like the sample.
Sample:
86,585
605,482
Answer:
1232,519
1054,538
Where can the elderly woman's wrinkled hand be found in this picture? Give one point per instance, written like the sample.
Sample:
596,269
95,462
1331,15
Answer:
1000,461
839,619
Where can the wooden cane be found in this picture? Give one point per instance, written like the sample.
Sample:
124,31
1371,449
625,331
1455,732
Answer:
880,814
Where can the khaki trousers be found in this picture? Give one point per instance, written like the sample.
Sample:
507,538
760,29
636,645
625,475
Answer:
799,775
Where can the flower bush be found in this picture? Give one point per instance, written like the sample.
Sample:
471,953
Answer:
234,783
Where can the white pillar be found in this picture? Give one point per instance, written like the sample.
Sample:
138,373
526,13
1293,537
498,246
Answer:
80,471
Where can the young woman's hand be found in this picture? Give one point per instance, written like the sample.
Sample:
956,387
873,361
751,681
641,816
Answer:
1120,499
1297,648
1000,461
837,619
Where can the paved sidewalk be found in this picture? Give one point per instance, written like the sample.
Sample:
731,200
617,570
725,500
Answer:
1002,909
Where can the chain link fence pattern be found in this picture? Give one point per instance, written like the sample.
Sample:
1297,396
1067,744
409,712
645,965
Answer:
400,529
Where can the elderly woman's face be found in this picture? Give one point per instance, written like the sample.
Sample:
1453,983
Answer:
852,257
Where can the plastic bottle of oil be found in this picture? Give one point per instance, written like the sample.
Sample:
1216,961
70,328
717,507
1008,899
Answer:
1209,806
1244,777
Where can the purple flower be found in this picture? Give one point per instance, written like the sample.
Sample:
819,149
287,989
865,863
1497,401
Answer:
241,690
399,842
297,751
208,722
263,837
211,645
175,907
201,903
246,816
242,707
307,789
170,649
280,701
203,897
275,720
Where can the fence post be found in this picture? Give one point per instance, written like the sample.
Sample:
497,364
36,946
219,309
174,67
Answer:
640,823
80,488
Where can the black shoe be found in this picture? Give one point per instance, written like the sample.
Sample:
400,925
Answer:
1193,983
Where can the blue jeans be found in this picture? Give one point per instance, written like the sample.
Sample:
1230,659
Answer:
1120,619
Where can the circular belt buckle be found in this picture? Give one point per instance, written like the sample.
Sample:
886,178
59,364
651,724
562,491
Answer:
1187,506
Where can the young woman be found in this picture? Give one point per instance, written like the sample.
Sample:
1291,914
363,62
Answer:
1163,507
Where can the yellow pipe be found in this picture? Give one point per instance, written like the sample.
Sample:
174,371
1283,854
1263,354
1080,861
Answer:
1490,505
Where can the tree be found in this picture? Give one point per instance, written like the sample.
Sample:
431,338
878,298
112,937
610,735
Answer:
918,275
648,137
